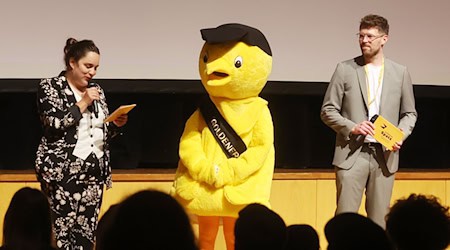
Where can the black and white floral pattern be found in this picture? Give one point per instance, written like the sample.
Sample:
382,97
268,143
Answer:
74,186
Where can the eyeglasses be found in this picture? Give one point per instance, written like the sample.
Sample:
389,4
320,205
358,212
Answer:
370,37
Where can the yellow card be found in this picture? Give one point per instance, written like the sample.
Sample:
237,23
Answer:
385,132
124,109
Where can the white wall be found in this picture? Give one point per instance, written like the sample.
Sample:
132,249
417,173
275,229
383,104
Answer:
160,39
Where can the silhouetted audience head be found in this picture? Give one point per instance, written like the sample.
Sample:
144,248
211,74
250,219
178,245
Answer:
352,231
419,222
302,237
258,227
27,223
147,220
104,225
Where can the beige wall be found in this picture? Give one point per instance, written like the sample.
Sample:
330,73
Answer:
301,200
153,40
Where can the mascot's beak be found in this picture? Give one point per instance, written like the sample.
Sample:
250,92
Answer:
217,76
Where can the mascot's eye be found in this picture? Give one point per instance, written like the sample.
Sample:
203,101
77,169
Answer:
238,62
205,58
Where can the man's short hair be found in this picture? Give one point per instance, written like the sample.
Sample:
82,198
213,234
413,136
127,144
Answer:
375,21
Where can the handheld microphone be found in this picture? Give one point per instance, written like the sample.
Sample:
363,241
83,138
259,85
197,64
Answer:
94,103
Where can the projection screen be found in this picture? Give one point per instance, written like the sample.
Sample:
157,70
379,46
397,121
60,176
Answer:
160,39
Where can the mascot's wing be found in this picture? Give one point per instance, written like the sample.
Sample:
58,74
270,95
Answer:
192,155
237,170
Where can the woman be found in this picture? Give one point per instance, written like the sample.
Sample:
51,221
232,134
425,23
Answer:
27,223
72,162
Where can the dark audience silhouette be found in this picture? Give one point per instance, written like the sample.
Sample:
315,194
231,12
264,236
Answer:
104,225
27,224
152,219
419,222
258,227
352,231
302,237
148,219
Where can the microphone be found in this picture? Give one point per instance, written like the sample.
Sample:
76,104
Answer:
94,103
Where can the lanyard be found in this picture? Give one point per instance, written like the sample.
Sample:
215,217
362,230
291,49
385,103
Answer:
380,79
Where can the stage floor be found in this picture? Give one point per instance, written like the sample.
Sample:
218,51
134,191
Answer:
299,196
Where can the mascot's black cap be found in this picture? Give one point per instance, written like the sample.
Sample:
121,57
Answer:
236,32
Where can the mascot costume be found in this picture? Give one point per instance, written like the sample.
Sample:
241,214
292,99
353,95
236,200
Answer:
227,147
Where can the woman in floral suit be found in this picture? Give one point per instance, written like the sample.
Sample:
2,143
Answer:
72,161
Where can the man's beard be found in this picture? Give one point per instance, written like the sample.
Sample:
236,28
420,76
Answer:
370,52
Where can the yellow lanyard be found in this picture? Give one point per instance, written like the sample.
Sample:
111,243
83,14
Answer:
380,79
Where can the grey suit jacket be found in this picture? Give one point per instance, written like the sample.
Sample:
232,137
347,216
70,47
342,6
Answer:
345,105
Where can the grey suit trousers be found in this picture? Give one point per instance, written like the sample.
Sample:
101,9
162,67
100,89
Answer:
367,174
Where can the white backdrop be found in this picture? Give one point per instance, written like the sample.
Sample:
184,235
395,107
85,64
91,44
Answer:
160,39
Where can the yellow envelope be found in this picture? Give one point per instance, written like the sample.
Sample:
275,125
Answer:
385,132
119,111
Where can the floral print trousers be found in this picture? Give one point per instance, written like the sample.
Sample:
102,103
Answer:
75,203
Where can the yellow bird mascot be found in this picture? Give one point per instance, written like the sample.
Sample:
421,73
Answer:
227,147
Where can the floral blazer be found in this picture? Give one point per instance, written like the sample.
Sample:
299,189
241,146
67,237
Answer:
60,119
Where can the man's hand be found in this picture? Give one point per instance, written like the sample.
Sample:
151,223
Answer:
363,128
397,146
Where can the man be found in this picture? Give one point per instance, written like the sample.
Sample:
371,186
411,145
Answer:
360,88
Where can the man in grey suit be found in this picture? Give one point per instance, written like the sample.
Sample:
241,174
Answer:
360,88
